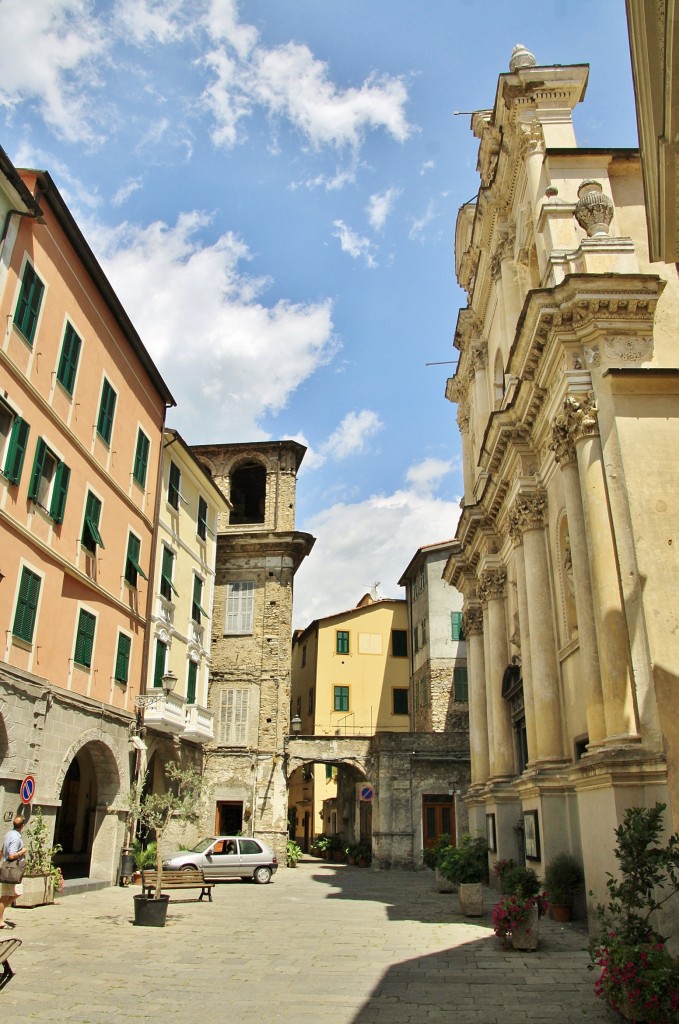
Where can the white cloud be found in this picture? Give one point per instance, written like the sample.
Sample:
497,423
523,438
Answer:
380,206
361,543
206,325
428,165
351,435
357,246
51,54
125,191
419,224
147,21
426,476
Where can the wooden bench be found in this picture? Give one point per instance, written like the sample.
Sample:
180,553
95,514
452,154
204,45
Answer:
7,947
188,878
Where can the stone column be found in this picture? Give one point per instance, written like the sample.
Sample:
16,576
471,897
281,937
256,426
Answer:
580,417
481,389
492,591
527,516
472,624
563,446
467,468
487,691
524,640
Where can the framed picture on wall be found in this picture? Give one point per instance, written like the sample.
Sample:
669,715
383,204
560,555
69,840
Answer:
490,833
531,833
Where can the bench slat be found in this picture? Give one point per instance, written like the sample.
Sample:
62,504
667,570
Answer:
194,879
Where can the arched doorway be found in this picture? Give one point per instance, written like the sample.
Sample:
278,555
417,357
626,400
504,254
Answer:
323,799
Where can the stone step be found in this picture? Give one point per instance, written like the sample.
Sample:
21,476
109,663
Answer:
74,886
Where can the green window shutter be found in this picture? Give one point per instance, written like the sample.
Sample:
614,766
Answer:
16,450
107,407
460,684
196,605
457,633
27,605
328,772
59,492
84,641
202,518
167,587
28,306
159,667
91,536
123,658
341,701
173,485
36,472
191,683
68,360
132,566
399,643
141,458
342,641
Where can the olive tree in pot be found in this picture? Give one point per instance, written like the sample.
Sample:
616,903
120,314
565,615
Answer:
466,865
154,812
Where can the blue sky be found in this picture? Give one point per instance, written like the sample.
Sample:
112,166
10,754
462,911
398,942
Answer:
272,187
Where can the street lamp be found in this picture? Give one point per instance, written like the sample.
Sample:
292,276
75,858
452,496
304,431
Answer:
296,725
169,681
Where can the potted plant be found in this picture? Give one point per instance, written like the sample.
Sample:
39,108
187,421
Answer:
363,855
144,857
466,865
563,879
517,915
500,867
293,853
42,880
335,849
432,857
321,845
154,812
638,978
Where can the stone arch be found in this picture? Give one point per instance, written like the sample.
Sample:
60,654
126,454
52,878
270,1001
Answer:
248,491
107,763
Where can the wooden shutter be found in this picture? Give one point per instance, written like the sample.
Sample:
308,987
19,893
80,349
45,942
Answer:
84,641
240,607
159,667
123,658
191,683
68,361
141,458
17,449
27,604
234,707
36,472
59,492
28,306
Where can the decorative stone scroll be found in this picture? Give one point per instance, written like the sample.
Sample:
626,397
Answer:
527,513
594,209
492,584
472,621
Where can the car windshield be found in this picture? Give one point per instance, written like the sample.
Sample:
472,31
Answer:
202,846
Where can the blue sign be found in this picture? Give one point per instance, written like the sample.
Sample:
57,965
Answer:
27,791
366,792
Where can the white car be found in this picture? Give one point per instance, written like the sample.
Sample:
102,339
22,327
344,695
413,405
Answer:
227,857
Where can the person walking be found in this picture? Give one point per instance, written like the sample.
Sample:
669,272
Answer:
12,849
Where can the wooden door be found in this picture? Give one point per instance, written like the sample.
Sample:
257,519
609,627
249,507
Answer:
438,818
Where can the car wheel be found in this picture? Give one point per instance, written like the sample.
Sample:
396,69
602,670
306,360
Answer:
188,867
261,875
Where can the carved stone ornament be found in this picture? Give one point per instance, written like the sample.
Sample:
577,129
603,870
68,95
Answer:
479,358
492,584
463,417
594,209
527,513
562,443
628,349
521,58
593,356
472,621
532,139
580,416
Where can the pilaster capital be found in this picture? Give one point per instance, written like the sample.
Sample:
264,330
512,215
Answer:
527,513
531,137
472,621
579,417
562,443
463,417
492,583
479,357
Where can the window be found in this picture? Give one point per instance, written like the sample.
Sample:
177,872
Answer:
457,632
233,717
460,686
84,640
303,655
173,485
191,682
399,643
13,441
311,700
132,566
342,641
141,458
122,670
28,306
329,772
198,613
247,491
400,700
416,644
423,631
240,596
49,482
107,408
159,663
341,698
90,535
27,605
167,587
202,518
422,580
68,360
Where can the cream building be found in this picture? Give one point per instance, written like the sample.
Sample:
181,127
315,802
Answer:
174,716
567,390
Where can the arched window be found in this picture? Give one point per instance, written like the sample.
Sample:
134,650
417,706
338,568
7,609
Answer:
248,493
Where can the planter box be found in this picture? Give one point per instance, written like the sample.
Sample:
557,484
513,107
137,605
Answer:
442,883
525,936
38,890
470,895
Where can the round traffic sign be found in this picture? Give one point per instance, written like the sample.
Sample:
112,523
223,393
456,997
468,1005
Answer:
366,792
27,790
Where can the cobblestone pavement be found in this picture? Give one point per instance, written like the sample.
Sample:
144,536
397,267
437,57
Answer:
324,944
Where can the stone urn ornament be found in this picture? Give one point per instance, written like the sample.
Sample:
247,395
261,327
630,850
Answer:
594,209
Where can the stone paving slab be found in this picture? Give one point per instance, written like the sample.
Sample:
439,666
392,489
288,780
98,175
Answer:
323,944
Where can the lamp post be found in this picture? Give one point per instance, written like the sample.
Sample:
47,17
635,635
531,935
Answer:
296,725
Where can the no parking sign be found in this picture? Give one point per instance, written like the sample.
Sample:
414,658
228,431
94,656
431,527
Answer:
27,790
366,792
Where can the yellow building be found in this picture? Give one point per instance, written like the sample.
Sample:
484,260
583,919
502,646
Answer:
350,677
176,702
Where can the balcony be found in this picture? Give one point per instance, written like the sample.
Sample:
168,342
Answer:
164,712
198,726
